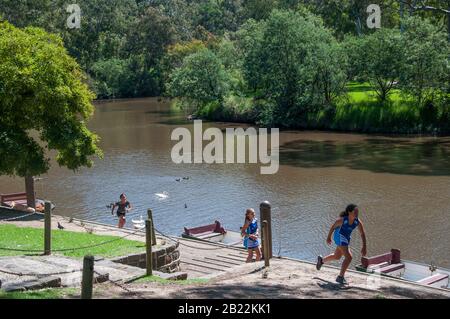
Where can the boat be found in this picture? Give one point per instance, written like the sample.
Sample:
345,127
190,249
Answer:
214,233
391,265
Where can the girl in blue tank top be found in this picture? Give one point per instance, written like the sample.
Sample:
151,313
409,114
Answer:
341,231
251,235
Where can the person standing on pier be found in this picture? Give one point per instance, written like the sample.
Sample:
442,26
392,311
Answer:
123,207
251,235
341,231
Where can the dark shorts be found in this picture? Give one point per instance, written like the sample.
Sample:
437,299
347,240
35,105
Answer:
121,214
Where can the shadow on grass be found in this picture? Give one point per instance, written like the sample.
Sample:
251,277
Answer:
396,156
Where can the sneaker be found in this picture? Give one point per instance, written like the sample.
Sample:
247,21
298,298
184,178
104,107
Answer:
341,280
319,262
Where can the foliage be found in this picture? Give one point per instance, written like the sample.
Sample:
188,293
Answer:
201,78
43,98
383,56
426,68
294,64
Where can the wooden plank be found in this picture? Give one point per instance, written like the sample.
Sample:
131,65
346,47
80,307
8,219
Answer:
235,259
225,261
202,266
217,263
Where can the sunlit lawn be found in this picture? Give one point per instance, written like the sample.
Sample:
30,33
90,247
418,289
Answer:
33,238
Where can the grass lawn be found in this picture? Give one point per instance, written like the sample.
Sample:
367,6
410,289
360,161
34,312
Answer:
165,281
361,110
54,293
33,238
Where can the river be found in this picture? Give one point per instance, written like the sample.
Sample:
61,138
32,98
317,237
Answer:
401,184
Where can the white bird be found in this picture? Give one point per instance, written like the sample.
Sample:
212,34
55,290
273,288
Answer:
162,195
138,223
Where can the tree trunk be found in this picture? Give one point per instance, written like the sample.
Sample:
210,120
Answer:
29,188
448,20
402,15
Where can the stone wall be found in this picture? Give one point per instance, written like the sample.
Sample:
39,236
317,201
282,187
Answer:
166,257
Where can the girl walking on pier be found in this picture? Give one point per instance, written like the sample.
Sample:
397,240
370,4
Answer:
123,207
341,231
251,235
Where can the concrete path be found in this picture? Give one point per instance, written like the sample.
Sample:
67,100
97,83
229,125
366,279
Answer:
36,272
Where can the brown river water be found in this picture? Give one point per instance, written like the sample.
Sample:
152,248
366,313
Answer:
401,184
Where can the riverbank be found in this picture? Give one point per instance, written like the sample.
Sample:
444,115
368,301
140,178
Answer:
358,110
285,278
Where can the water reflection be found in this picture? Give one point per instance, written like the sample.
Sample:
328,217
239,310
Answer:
430,157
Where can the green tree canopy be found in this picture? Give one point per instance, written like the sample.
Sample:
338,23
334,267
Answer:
292,62
44,104
201,78
383,55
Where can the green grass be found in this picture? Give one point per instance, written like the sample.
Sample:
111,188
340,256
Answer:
361,110
39,294
160,280
33,238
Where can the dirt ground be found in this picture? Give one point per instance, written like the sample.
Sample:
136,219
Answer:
283,279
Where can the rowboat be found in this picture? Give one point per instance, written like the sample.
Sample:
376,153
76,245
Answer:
214,233
391,265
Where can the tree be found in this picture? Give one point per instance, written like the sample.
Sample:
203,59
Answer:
44,105
383,59
287,64
149,39
109,76
200,80
426,65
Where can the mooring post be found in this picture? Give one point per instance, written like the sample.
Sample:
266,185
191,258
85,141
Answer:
48,229
87,280
150,216
266,252
148,243
266,215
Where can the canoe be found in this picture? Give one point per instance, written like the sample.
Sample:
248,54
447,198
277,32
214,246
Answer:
214,233
391,265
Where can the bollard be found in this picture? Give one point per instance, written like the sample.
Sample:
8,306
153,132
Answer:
48,229
148,241
266,252
87,280
150,216
266,214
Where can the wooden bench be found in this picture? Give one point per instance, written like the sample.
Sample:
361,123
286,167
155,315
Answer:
437,280
17,198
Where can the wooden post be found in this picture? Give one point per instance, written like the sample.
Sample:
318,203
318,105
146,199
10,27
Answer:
148,241
88,277
266,252
48,229
150,216
266,215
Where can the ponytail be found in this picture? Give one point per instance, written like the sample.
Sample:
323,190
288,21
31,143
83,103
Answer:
350,208
343,214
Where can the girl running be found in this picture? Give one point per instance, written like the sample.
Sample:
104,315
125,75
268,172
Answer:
341,231
250,233
123,207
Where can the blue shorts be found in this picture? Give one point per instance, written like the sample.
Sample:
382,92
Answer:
339,239
250,243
